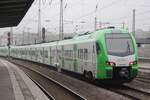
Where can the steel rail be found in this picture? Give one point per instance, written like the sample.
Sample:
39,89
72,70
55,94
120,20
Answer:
54,81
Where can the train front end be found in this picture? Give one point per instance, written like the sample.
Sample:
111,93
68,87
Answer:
119,58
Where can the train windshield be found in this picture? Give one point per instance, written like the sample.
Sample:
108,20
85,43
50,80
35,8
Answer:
119,44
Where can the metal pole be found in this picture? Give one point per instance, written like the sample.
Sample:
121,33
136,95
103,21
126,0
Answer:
60,33
62,21
23,37
133,24
61,29
10,40
76,29
39,21
95,27
28,37
123,25
11,35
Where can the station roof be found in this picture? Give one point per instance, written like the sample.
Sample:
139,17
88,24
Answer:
13,11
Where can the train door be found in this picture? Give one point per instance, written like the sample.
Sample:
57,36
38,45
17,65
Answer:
36,55
53,55
56,55
93,55
15,53
62,63
26,53
33,54
30,53
85,57
41,55
59,55
82,56
45,55
20,55
25,57
68,57
75,57
50,56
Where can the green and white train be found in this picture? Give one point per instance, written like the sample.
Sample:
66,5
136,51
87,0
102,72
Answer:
106,54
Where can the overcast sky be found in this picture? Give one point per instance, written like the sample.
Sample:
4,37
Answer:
80,14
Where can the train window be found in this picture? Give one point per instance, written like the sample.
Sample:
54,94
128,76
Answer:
64,53
30,52
46,54
85,54
81,53
24,52
97,48
41,53
33,53
68,53
78,53
119,44
93,49
36,53
21,51
71,53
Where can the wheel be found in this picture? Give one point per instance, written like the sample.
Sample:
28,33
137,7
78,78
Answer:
90,76
85,74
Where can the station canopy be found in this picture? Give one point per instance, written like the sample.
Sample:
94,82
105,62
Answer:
13,11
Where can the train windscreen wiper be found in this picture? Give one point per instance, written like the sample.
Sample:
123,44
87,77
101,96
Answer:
128,47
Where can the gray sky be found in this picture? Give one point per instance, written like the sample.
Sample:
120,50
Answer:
78,11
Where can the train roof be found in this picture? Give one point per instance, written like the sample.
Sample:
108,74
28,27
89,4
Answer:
80,38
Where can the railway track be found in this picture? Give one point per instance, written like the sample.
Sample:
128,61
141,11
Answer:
131,93
142,68
144,59
143,79
53,89
126,91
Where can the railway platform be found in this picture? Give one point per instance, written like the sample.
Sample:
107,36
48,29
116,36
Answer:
16,85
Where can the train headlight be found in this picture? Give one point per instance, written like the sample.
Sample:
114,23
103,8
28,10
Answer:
110,63
132,63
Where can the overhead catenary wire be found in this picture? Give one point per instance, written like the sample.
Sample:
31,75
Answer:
92,13
28,21
141,13
99,9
